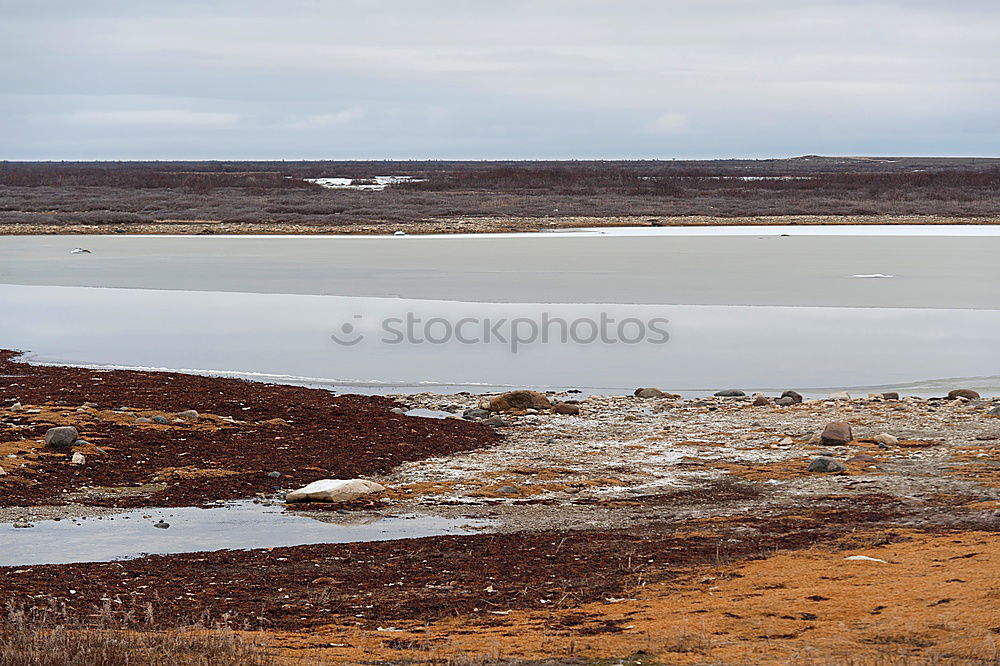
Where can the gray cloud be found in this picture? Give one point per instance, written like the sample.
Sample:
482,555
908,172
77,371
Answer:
547,78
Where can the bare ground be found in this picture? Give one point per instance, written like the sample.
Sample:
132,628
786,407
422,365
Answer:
640,531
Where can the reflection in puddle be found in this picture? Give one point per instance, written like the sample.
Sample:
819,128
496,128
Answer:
430,413
240,525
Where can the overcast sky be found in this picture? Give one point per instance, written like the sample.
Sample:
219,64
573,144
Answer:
471,79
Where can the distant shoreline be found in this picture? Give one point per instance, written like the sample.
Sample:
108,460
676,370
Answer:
462,225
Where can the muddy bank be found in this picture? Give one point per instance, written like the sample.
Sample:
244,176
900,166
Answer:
463,225
434,578
248,438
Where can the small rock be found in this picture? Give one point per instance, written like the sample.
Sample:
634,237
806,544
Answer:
861,458
161,525
648,393
334,490
785,401
887,439
787,441
730,393
16,407
760,400
21,523
890,395
274,475
79,458
2,472
794,395
61,437
397,410
825,465
495,422
476,414
836,433
89,405
162,420
565,408
142,419
519,400
508,490
864,558
189,415
968,394
994,412
840,395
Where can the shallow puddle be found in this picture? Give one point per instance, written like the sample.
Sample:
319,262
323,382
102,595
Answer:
430,413
241,525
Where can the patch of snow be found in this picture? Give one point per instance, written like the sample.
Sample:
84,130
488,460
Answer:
375,183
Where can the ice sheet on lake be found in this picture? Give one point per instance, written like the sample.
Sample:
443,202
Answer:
290,335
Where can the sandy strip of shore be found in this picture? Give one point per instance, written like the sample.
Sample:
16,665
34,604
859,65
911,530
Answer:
461,225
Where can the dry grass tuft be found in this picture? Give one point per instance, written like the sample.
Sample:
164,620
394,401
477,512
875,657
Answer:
50,638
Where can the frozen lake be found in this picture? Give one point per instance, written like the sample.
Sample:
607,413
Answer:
808,310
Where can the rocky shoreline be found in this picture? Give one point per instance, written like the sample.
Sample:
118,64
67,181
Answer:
464,225
608,516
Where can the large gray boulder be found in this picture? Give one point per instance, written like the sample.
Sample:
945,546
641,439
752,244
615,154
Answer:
648,393
476,414
826,465
61,438
968,394
836,433
794,395
334,490
730,393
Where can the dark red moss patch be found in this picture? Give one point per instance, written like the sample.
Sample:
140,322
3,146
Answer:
380,582
319,435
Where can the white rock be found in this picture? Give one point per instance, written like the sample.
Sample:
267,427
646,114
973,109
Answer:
16,407
840,395
887,439
2,472
334,490
864,558
79,458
